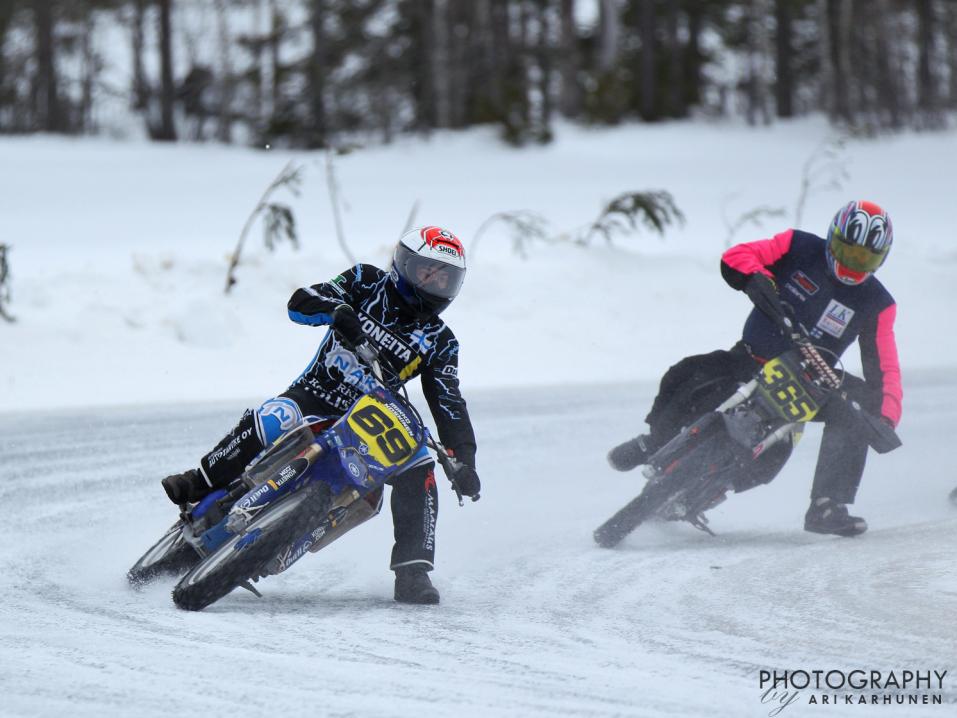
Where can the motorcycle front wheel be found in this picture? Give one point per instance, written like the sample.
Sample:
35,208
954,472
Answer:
244,555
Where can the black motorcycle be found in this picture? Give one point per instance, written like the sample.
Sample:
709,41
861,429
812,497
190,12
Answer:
693,472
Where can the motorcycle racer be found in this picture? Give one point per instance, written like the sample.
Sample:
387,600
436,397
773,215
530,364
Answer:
829,288
397,312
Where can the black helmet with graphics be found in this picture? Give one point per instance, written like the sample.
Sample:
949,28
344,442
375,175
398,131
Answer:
428,268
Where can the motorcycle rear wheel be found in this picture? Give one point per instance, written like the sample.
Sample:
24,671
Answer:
171,555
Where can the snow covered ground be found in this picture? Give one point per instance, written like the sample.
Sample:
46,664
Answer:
127,362
535,620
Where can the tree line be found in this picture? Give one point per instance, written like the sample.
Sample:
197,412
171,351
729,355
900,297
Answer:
321,73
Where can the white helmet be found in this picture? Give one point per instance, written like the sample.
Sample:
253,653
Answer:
428,268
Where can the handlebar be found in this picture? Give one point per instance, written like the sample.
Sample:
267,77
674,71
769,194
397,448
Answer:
369,355
451,466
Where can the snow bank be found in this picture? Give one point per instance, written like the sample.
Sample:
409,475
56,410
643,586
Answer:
119,253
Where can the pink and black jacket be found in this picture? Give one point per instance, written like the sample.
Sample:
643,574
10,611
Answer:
834,314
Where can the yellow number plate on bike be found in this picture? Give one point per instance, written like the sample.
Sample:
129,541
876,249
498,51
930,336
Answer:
375,424
785,392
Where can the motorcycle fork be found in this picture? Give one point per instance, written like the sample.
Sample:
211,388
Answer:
741,395
773,438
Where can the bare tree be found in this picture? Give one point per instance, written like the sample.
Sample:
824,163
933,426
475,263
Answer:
841,23
277,25
609,35
418,16
649,85
825,59
927,95
318,67
758,51
569,61
693,59
784,58
439,61
886,87
278,220
226,82
519,100
6,15
258,43
91,66
543,55
167,129
141,88
950,25
45,91
676,94
508,62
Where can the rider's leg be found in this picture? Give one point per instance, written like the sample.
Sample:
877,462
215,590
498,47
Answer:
255,430
415,509
695,385
691,387
840,463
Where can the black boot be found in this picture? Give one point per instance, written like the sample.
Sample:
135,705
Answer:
412,585
826,517
632,453
186,487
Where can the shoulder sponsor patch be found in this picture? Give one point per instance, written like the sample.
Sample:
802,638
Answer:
804,282
835,319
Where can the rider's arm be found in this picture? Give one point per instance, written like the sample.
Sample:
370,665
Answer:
880,362
440,384
314,305
743,260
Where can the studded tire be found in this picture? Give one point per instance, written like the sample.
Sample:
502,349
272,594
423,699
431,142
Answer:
240,558
171,555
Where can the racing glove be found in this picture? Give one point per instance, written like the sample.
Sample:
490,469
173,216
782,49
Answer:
763,293
346,323
465,477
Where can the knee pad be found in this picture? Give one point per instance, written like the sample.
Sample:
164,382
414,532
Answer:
275,417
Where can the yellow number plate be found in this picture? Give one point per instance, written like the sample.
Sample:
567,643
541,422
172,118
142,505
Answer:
389,442
785,391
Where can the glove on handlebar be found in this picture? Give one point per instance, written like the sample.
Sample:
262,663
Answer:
763,293
465,476
464,454
346,323
467,480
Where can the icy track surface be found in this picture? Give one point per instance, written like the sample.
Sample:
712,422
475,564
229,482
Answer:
535,620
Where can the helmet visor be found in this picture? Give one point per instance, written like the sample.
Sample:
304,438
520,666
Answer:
855,256
429,276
